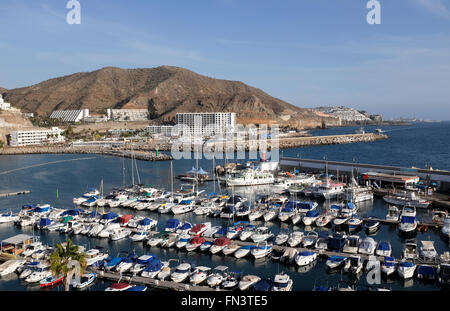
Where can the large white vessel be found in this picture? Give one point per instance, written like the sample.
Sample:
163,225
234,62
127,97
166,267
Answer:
329,190
406,198
250,177
357,194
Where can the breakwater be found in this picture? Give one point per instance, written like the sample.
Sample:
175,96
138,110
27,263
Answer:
137,154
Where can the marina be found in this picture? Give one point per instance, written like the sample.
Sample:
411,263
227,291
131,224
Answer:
135,203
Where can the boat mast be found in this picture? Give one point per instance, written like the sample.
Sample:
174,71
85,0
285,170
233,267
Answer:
214,173
132,169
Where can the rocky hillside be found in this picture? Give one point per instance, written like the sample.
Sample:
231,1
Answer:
164,91
2,90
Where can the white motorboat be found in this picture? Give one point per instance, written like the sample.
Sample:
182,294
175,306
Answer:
8,217
141,263
199,229
427,250
388,266
354,223
289,256
199,275
55,226
324,219
247,281
271,213
209,233
408,224
28,269
335,262
287,211
94,255
217,277
410,250
446,228
384,248
230,249
194,243
219,245
118,287
182,241
256,213
393,213
206,246
295,238
354,264
322,243
406,269
32,248
243,251
305,258
86,280
367,246
125,265
297,218
406,198
310,217
282,282
139,235
247,232
41,272
340,220
155,268
309,240
261,251
95,230
11,266
261,234
185,206
181,273
119,234
282,237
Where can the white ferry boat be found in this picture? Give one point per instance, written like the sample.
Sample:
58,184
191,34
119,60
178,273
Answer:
329,190
250,177
406,198
358,194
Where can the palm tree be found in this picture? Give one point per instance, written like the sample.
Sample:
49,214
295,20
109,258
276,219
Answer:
62,261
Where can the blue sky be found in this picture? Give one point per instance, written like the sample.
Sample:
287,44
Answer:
306,52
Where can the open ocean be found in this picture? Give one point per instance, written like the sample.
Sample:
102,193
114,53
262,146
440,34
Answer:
413,145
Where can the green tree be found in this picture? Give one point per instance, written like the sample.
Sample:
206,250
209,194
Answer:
62,261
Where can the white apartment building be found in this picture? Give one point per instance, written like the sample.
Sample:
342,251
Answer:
36,137
207,123
127,114
3,105
164,130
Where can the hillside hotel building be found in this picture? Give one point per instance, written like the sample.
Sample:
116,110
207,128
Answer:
207,123
36,137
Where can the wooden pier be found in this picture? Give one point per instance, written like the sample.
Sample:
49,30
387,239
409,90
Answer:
154,283
10,194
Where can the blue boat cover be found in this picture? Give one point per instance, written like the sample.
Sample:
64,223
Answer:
407,264
114,261
291,204
384,246
313,213
185,201
145,222
305,205
426,270
263,285
408,219
137,288
41,209
186,226
248,247
337,258
45,222
208,243
73,212
109,215
306,253
338,207
172,223
222,231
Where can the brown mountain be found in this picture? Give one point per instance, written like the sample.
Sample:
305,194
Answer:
2,90
164,90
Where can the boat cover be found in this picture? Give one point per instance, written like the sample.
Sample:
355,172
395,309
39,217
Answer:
263,285
313,213
172,223
109,215
222,241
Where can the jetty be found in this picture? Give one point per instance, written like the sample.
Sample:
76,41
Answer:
154,283
9,194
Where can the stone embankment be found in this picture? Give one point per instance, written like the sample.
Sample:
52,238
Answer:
139,155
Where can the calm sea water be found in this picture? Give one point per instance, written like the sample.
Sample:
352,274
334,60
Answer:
71,175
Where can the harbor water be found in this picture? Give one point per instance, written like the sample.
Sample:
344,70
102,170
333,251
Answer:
57,179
